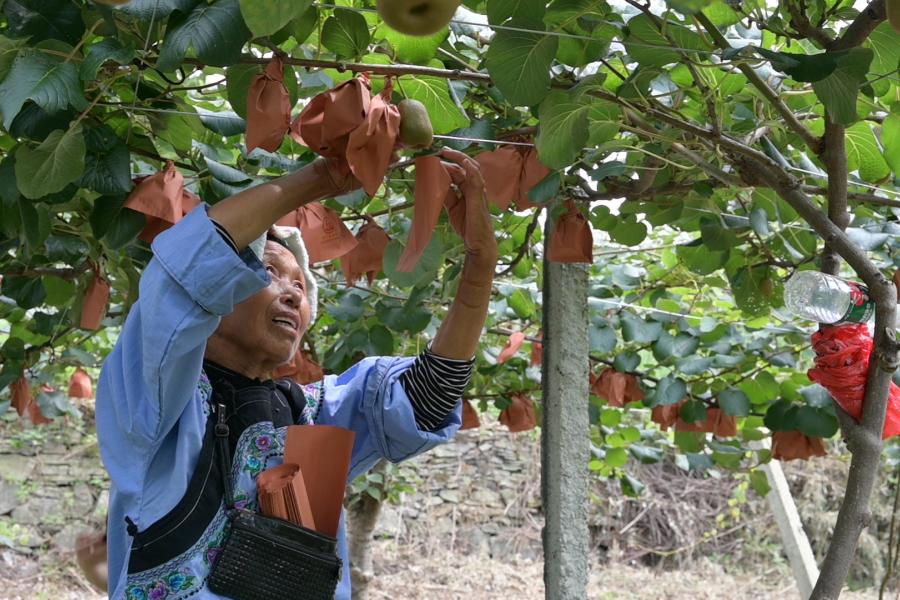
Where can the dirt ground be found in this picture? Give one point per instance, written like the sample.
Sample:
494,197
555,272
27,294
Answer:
443,575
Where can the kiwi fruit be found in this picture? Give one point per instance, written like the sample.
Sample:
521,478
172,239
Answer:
417,17
415,126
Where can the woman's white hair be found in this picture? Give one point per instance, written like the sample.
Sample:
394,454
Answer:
292,237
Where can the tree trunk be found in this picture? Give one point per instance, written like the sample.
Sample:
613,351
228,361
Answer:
362,517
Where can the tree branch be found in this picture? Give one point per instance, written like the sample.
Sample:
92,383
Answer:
857,32
341,67
834,156
801,23
69,274
864,441
786,113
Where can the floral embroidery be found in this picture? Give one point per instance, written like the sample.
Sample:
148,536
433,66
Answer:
313,393
175,581
263,442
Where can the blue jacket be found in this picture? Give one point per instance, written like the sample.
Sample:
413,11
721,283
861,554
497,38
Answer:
152,411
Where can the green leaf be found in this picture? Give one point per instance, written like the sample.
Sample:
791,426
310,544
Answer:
522,303
28,292
156,10
499,11
626,362
36,76
214,33
519,62
636,329
66,247
751,294
414,49
700,259
816,422
265,18
781,416
224,122
35,225
424,271
647,455
734,402
435,93
838,91
693,411
546,189
59,291
678,346
563,131
57,162
715,235
759,482
616,457
631,486
890,136
126,225
107,163
807,68
104,50
44,19
602,338
9,49
346,33
646,45
721,14
669,390
629,232
350,308
885,49
864,154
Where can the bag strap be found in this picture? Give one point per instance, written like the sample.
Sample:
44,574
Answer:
222,432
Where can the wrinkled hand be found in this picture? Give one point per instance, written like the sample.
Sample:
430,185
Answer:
481,243
335,177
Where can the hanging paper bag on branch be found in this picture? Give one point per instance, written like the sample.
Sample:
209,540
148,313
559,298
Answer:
371,145
96,298
510,172
325,124
470,418
519,415
268,108
324,233
841,367
367,257
571,240
717,422
794,445
432,184
80,385
162,199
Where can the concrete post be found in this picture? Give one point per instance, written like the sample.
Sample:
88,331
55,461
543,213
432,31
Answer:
796,544
565,433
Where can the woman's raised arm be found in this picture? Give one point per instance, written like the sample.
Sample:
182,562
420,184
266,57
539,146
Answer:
248,214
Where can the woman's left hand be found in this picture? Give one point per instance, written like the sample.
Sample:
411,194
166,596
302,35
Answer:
481,243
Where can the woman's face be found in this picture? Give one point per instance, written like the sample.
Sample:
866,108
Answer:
265,330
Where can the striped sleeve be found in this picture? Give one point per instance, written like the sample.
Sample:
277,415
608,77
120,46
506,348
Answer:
435,386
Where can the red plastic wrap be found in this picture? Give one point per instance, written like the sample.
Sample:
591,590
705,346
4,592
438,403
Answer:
842,363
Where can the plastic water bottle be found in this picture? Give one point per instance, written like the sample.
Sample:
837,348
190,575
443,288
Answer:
827,299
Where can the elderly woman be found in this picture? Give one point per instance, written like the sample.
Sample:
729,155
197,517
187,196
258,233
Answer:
217,314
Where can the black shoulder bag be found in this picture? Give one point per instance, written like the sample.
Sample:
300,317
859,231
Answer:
266,558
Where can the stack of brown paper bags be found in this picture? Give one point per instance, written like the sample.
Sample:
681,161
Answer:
282,494
308,489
